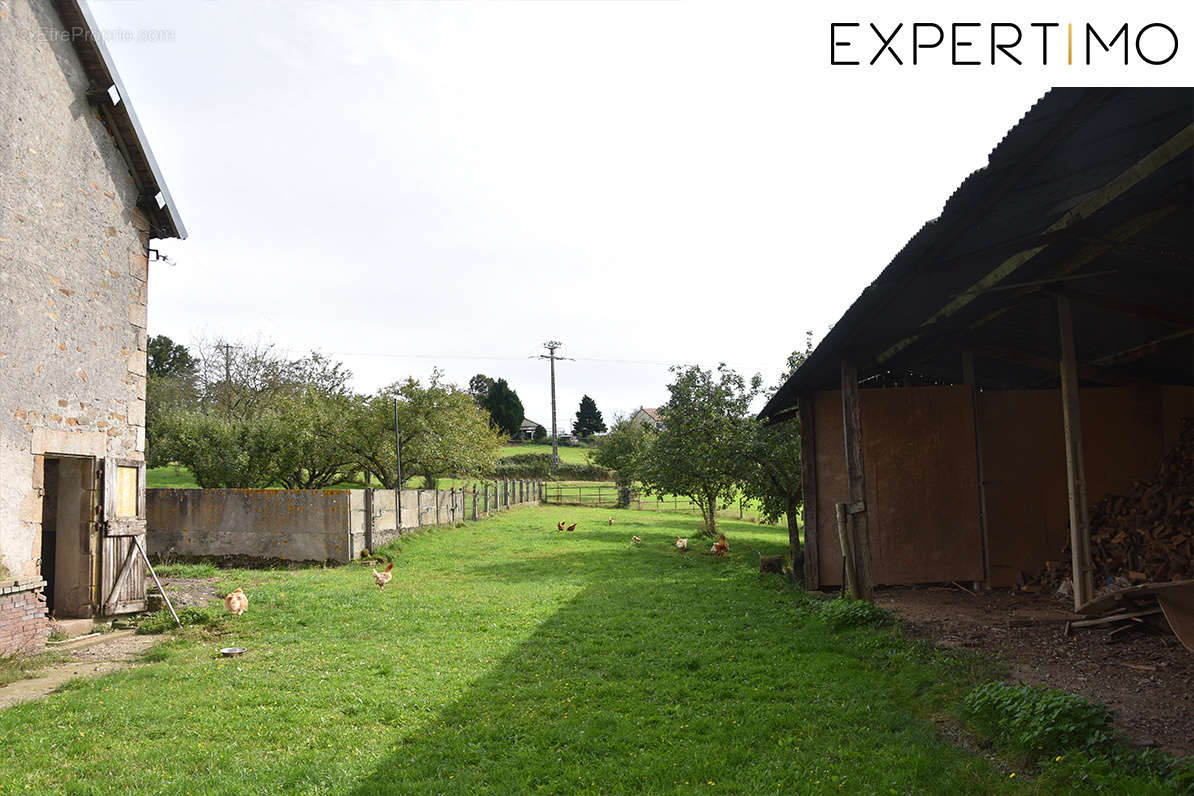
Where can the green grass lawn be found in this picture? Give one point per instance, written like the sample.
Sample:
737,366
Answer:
506,657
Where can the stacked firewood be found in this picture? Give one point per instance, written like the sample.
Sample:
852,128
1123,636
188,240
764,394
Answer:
1147,534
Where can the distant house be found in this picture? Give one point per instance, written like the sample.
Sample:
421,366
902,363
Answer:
527,429
647,417
83,198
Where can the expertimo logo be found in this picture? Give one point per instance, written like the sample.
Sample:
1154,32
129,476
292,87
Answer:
968,44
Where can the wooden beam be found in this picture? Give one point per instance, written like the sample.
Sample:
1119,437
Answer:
1139,352
1074,459
1036,362
969,378
1179,319
856,477
808,480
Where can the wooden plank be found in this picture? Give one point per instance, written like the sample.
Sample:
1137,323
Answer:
1130,595
1106,620
856,478
118,582
1075,458
843,537
808,480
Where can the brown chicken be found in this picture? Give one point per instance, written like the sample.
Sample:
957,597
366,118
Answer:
237,602
720,547
611,520
681,544
572,527
560,527
382,578
635,539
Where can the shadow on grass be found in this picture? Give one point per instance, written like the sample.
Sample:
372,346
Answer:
679,674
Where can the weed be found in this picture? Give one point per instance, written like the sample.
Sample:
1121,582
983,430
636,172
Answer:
844,613
162,621
1036,721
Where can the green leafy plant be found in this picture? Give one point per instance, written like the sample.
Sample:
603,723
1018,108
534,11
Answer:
842,614
1037,721
162,621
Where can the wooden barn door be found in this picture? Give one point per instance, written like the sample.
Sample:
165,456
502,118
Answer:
122,571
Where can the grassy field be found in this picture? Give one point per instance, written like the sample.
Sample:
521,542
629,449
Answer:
506,657
567,454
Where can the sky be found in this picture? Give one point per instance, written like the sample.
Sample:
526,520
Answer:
415,185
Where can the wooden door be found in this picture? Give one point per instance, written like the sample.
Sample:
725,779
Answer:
123,581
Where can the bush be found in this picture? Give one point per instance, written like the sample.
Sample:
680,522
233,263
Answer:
1037,721
538,466
162,621
524,465
568,471
842,614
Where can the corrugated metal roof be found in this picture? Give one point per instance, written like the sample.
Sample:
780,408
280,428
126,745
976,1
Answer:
88,41
1092,187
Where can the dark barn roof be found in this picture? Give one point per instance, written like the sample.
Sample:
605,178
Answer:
88,41
1089,196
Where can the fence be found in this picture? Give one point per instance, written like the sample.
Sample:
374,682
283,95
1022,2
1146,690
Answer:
606,496
313,524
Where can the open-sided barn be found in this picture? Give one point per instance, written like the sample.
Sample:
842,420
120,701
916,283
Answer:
1028,352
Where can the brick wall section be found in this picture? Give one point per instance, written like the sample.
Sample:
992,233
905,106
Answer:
24,626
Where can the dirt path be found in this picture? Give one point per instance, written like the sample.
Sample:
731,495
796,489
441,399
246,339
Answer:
89,658
1148,680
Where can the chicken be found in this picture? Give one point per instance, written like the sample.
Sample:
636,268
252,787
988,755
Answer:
681,544
635,539
237,602
572,527
720,547
611,520
382,578
560,527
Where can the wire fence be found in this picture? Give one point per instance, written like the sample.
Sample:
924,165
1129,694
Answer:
606,496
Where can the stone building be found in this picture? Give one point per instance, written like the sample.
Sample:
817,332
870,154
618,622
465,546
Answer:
80,200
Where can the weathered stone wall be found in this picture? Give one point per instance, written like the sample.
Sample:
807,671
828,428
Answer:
303,525
73,273
24,626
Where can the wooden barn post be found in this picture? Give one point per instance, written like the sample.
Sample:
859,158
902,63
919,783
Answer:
970,379
1075,464
856,477
808,480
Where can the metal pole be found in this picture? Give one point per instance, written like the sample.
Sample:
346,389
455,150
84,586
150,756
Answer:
555,438
398,482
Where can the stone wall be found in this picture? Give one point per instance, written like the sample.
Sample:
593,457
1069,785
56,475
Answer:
24,626
73,273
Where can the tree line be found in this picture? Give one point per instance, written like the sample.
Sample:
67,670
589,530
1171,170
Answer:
247,416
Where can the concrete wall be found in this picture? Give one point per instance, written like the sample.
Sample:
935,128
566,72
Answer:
266,524
303,525
73,276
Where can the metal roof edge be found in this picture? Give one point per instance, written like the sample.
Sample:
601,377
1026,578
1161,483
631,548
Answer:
138,148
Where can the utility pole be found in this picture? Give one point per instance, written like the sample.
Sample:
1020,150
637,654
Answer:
398,482
551,346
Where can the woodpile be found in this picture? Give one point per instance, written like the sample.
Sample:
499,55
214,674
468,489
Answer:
1146,535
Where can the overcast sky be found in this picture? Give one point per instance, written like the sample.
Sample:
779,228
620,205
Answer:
409,185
